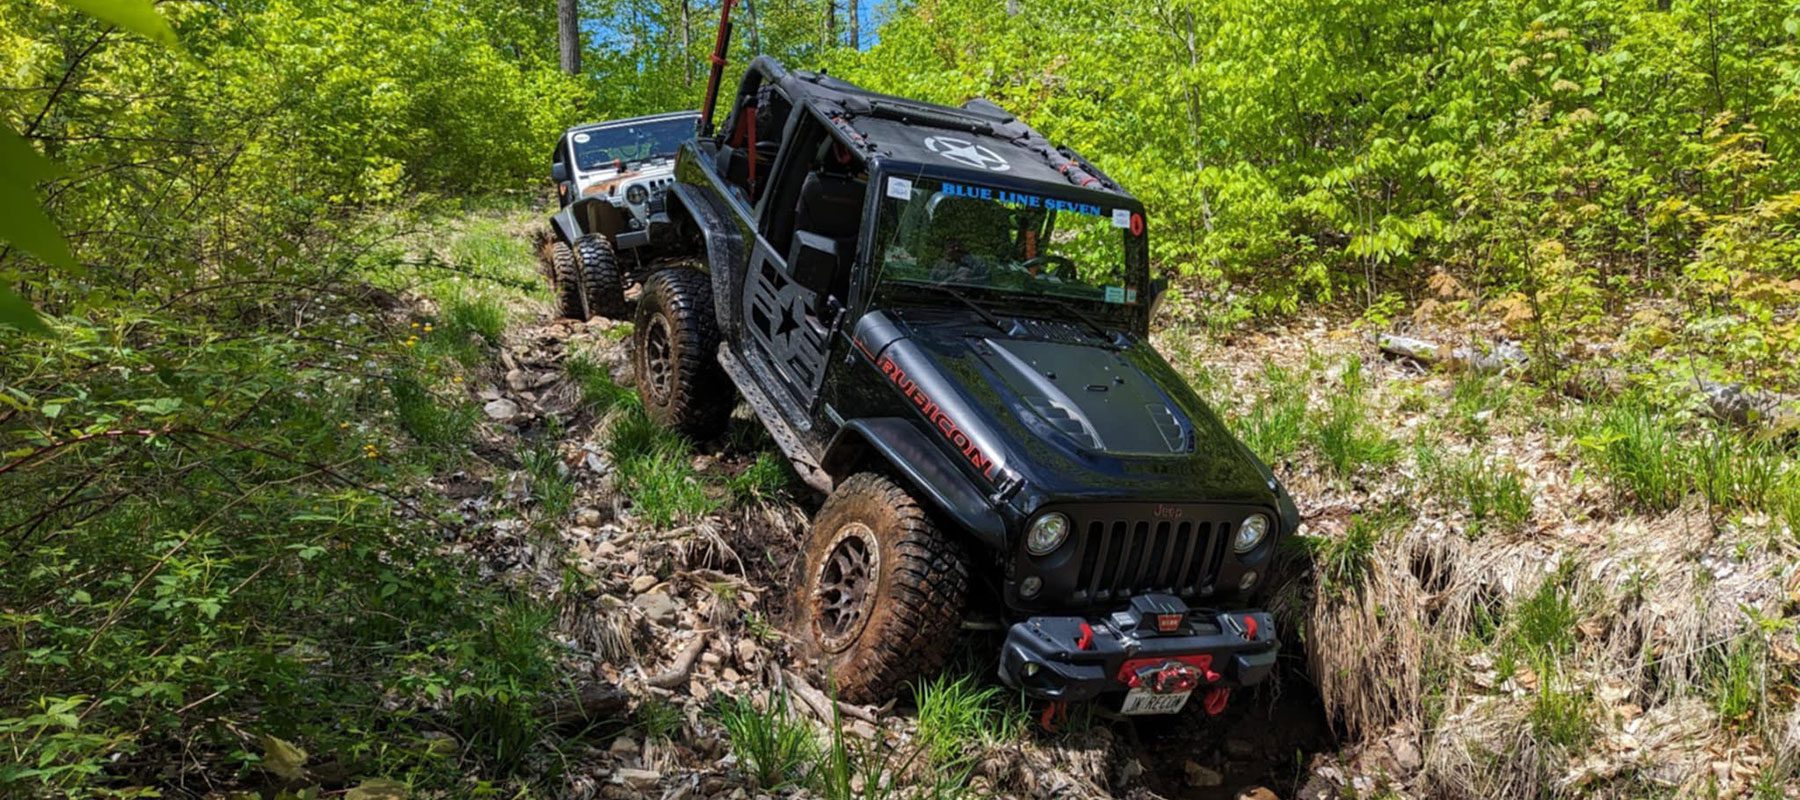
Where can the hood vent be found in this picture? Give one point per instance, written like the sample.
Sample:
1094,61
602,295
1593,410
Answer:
1064,420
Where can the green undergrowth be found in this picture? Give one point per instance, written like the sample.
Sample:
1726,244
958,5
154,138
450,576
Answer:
1656,459
216,552
655,466
779,751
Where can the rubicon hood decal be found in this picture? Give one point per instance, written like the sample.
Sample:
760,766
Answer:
934,413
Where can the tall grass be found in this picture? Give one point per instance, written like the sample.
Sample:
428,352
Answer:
776,748
1494,495
1275,426
1344,435
958,715
1655,460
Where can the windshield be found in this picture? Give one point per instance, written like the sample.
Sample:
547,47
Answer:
643,141
1005,241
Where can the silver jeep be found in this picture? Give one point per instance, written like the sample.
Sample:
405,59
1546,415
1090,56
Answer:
610,178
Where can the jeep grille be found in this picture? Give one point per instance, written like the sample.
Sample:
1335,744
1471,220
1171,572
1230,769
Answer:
1121,557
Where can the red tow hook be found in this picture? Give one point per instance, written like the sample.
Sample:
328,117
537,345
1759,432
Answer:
1054,714
1216,698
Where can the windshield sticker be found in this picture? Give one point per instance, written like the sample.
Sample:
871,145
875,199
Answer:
582,138
1020,200
1115,294
967,153
899,188
1121,218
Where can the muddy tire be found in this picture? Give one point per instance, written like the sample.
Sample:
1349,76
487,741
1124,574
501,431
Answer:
601,276
565,282
675,355
884,588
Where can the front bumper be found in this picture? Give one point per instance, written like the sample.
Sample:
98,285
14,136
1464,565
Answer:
1078,658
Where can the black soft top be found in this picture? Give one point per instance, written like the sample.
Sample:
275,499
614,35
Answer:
978,137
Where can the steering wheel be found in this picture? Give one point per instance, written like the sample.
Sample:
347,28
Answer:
1063,266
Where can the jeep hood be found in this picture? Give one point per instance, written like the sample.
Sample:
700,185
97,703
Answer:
1072,414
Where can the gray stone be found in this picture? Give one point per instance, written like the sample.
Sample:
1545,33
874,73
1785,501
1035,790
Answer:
1201,776
657,607
501,410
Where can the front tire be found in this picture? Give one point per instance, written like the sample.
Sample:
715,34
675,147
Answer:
601,276
676,355
884,589
565,279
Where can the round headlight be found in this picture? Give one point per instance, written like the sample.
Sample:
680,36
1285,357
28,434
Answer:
1047,533
1251,533
637,194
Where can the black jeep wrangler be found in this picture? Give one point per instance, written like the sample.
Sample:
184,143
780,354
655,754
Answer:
942,319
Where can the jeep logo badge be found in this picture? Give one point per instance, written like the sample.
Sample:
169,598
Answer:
967,153
1168,512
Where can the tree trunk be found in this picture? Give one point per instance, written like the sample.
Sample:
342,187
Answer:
687,52
850,6
831,39
568,36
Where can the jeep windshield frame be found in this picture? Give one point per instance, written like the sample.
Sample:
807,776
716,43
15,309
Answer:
1018,247
599,148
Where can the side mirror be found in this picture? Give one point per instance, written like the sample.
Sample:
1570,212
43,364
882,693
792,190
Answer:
813,261
559,172
1159,291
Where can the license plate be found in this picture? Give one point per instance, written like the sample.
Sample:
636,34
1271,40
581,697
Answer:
1144,701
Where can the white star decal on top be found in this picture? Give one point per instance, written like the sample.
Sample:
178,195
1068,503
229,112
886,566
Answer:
967,153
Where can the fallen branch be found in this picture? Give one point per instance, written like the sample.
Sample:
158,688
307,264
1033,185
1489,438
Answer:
591,702
677,673
822,705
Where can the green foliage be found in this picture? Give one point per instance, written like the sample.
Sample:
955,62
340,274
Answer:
550,484
654,469
957,716
658,719
764,479
1343,562
598,389
1493,494
1737,685
1346,438
1656,460
775,747
1273,427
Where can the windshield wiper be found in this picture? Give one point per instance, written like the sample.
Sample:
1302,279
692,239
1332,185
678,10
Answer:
985,314
1102,330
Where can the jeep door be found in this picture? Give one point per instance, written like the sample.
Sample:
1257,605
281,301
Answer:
809,221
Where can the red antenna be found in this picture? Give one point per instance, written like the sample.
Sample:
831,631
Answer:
721,46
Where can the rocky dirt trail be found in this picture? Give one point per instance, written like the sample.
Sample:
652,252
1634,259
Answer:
661,623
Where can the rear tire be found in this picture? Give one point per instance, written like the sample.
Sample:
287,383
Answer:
675,355
884,589
601,276
565,279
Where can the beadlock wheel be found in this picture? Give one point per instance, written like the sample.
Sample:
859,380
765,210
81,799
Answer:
845,587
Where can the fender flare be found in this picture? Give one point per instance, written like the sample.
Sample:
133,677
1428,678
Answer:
723,248
569,223
922,464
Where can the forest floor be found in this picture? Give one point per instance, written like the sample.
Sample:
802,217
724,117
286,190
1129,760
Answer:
1474,608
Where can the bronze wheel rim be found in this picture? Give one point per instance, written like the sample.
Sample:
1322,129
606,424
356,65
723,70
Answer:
659,358
844,587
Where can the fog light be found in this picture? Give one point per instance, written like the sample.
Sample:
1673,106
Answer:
1251,533
1030,586
1248,580
637,194
1047,533
1030,669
